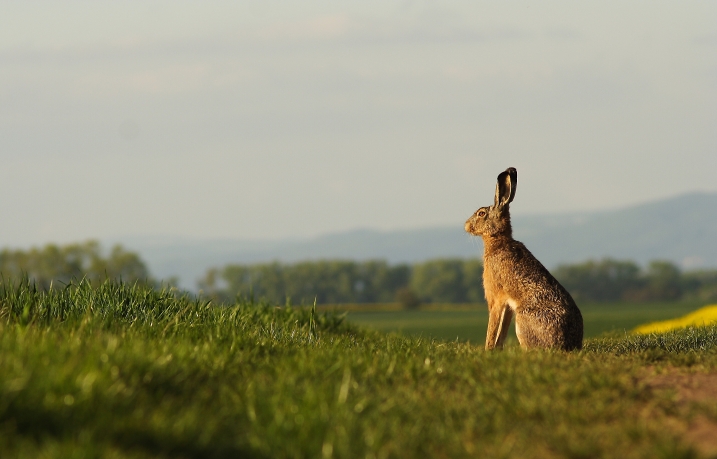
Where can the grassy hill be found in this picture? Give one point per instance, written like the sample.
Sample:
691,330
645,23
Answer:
679,229
123,371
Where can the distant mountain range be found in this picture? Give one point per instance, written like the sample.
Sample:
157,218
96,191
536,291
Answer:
681,229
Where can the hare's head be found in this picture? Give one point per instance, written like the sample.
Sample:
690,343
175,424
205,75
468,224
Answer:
495,220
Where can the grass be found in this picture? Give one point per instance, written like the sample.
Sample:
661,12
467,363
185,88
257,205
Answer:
122,371
469,322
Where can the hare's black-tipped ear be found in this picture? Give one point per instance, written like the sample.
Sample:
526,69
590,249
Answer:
506,186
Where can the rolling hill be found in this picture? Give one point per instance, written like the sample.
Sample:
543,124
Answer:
681,229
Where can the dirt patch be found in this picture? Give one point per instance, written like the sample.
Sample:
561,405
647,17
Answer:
690,390
688,387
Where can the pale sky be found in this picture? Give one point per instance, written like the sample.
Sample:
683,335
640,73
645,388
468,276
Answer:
263,119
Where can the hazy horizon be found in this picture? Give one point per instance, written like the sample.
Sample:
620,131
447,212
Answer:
267,120
166,238
458,225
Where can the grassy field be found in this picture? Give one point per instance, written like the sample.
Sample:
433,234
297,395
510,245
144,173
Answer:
120,371
469,322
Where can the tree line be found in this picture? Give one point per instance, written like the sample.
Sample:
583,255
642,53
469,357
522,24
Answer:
343,281
448,281
340,281
616,280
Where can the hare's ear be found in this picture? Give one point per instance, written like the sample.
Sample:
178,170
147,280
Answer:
506,186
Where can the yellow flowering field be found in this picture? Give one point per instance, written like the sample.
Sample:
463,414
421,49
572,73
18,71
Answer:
699,318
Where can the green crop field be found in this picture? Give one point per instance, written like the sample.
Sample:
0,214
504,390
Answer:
119,371
469,323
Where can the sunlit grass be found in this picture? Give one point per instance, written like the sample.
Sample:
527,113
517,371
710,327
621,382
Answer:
126,371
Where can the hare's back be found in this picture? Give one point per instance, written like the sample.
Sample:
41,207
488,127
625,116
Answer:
523,275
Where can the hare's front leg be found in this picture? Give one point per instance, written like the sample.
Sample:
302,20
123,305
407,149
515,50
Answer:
499,317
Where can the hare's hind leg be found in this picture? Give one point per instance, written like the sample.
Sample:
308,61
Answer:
498,325
532,333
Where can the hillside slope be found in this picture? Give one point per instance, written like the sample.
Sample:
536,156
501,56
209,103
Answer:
681,229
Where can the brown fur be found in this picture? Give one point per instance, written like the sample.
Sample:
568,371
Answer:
517,284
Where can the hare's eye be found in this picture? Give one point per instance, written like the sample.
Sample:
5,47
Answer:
481,213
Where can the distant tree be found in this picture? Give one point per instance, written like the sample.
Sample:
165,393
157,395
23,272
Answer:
439,281
261,281
700,285
407,298
209,284
473,281
605,280
663,281
61,264
383,281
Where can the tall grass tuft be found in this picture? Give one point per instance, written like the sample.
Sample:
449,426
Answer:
116,306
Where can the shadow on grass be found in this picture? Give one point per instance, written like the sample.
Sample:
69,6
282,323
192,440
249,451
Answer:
43,426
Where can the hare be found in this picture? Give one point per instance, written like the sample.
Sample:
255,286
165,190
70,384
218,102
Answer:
517,284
